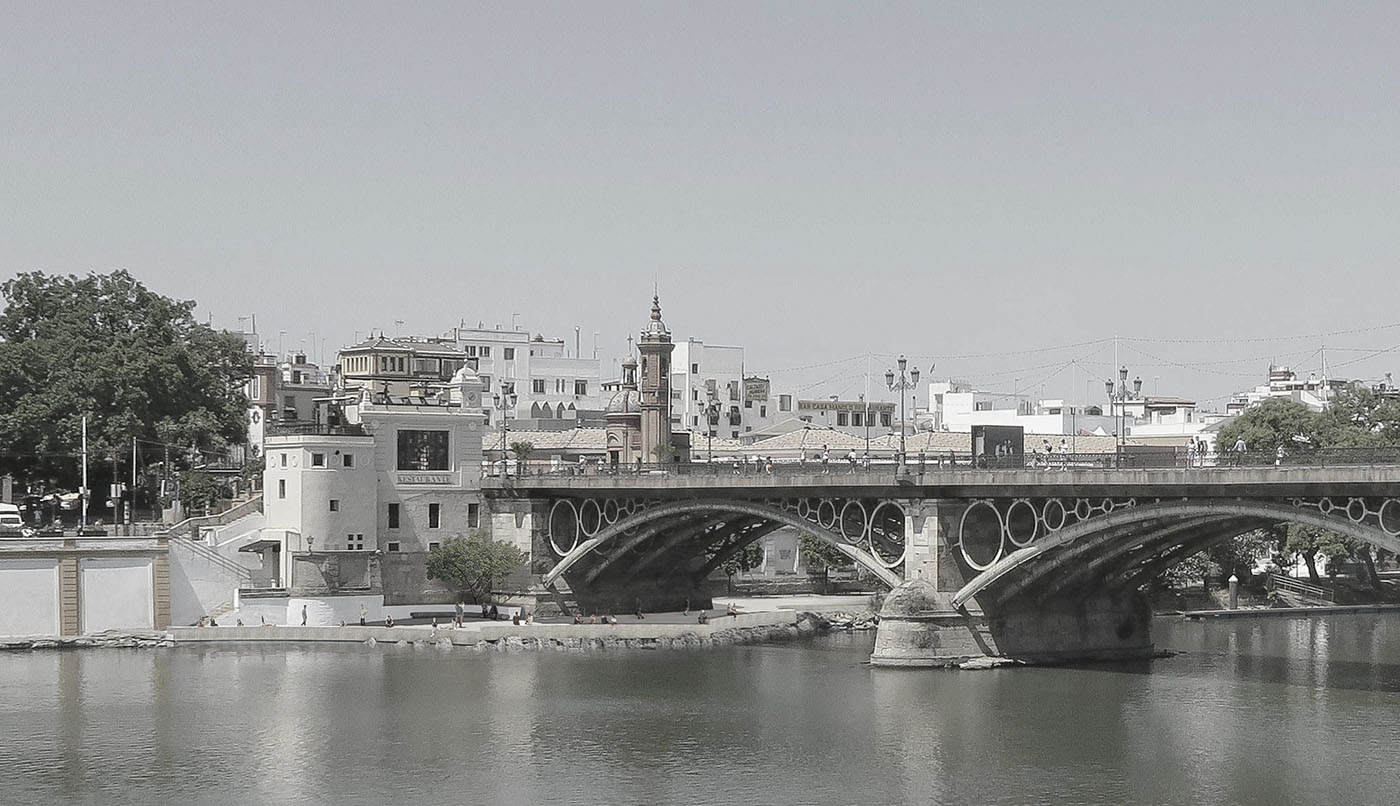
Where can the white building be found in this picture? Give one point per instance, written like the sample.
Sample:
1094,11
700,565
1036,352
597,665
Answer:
957,406
1312,391
358,498
551,388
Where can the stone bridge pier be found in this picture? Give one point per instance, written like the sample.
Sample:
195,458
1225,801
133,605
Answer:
950,543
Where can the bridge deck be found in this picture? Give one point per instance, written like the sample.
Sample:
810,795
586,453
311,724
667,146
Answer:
1213,482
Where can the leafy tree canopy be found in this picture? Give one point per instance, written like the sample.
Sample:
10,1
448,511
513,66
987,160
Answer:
470,564
1274,422
135,362
819,554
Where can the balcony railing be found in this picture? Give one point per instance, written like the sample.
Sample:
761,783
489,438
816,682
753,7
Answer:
315,430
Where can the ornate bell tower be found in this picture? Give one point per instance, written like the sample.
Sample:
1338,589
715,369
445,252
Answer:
655,387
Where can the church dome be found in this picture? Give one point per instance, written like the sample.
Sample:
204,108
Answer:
625,401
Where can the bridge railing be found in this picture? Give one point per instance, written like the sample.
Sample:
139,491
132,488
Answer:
1132,458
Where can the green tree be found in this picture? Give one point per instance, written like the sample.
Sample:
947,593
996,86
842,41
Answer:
1358,417
1274,422
473,563
737,562
664,452
820,555
522,450
135,362
1310,542
200,489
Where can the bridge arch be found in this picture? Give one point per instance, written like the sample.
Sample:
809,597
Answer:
1119,539
754,509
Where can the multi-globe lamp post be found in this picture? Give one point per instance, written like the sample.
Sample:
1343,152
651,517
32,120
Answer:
712,411
505,400
1118,396
902,383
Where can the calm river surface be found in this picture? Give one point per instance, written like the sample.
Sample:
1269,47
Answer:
1268,711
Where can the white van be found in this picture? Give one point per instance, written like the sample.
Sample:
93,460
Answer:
10,519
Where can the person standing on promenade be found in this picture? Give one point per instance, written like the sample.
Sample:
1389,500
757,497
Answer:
303,615
363,613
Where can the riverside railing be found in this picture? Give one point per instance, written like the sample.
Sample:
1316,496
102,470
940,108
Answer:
952,461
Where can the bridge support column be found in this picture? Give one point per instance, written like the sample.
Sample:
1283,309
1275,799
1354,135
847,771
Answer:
924,551
918,624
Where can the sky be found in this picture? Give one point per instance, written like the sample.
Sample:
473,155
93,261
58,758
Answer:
1011,194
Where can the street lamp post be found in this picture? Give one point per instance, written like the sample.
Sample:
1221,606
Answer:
1118,396
905,382
712,410
505,399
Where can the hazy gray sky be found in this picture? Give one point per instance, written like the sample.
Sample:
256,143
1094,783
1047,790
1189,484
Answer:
965,183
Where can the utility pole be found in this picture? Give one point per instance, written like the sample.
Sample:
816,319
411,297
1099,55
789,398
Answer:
83,494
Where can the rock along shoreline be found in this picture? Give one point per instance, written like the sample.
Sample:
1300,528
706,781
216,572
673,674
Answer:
747,628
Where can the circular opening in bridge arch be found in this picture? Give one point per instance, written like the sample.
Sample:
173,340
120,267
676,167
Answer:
590,517
804,508
826,514
610,510
1356,510
1107,505
1020,523
1390,517
563,524
853,522
980,535
1325,506
1082,509
887,533
1054,514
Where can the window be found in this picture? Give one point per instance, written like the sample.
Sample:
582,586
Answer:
393,516
394,546
429,366
348,460
762,411
434,546
434,516
282,487
485,382
580,387
784,402
471,350
289,401
885,419
284,460
473,516
748,404
485,352
335,505
355,542
857,418
842,418
422,450
733,390
537,386
560,385
694,369
508,353
318,460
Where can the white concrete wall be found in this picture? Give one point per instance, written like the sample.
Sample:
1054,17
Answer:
29,597
116,593
321,611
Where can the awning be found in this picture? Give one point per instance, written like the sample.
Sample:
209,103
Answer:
260,546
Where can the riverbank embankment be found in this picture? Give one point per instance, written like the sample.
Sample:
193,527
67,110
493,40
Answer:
1289,612
745,628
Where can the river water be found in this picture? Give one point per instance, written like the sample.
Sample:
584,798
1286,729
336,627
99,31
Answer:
1267,711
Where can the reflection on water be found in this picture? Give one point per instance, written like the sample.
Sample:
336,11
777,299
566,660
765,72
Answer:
1269,712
